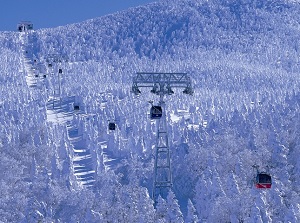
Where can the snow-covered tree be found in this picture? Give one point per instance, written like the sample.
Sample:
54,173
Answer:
191,216
174,213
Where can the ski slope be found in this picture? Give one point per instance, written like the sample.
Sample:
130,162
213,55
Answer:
61,112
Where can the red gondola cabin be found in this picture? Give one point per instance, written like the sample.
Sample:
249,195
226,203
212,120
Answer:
263,181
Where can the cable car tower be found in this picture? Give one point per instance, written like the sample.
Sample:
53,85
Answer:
161,84
52,59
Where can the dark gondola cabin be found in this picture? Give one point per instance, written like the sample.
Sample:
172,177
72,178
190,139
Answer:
111,126
76,107
155,112
263,180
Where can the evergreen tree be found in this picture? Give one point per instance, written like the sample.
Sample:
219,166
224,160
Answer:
161,210
191,213
174,214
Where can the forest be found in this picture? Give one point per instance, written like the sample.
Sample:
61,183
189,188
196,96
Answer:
61,87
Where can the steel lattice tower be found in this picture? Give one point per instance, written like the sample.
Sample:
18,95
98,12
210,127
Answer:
162,163
162,84
52,59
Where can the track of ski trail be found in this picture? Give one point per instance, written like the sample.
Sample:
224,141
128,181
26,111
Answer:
60,111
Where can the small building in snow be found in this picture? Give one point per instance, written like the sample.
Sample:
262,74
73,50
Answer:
24,26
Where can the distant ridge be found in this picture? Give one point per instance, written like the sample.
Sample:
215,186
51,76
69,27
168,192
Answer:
180,28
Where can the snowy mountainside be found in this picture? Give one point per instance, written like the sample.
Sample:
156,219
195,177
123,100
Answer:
156,29
243,59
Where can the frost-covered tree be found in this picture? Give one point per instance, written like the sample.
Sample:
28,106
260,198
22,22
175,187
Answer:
191,216
161,213
174,213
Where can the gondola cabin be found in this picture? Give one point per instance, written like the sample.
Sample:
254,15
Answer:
155,112
76,107
112,126
263,181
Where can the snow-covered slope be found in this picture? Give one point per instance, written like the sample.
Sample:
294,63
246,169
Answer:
64,165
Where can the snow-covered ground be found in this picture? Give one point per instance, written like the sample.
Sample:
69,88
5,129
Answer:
62,164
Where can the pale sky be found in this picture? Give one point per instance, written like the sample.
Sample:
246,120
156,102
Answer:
53,13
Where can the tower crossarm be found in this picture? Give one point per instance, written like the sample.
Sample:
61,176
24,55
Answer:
56,58
161,82
173,79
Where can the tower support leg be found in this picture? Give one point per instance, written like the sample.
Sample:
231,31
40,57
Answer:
162,164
